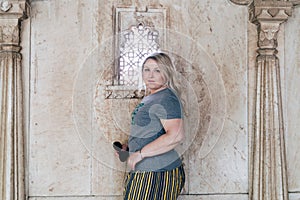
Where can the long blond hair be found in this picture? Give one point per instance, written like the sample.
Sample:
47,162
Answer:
168,70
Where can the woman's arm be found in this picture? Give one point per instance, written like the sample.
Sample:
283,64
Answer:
166,142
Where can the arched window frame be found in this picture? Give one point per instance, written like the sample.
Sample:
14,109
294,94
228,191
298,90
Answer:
153,22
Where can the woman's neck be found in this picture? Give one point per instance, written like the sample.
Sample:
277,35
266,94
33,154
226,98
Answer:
157,90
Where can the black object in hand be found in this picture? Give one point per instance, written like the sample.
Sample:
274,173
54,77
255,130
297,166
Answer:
123,154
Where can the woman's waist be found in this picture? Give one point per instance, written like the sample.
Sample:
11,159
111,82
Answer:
162,162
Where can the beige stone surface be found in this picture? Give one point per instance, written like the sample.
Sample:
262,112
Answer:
292,70
72,126
295,196
221,163
72,122
61,38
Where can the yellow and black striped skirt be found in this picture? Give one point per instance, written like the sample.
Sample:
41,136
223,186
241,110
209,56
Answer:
165,185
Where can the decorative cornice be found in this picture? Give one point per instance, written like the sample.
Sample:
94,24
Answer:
13,9
5,6
270,11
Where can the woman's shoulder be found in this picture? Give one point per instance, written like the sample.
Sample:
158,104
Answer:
162,97
169,99
169,95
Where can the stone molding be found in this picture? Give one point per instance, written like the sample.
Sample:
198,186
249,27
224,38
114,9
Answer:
12,152
241,2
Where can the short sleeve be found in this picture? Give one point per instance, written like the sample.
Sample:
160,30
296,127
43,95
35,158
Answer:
168,108
173,107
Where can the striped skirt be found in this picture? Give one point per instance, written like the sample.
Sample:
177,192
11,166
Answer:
165,185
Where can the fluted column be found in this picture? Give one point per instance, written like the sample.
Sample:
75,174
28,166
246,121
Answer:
268,177
12,184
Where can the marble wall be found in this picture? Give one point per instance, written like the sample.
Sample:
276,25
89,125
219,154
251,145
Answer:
68,61
292,74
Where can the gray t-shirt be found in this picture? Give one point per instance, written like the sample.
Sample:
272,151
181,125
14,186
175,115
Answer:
146,127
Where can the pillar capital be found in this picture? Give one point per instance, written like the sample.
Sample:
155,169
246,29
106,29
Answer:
11,13
268,15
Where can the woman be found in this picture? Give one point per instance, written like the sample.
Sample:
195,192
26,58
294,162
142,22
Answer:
156,129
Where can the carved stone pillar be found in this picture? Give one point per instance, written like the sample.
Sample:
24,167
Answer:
12,184
268,177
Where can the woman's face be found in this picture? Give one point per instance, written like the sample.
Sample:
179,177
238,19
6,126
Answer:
152,76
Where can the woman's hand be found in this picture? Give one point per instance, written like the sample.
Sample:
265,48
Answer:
122,151
134,158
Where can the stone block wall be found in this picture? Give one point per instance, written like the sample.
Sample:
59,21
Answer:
69,60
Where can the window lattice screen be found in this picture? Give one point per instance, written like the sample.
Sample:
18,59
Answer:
136,43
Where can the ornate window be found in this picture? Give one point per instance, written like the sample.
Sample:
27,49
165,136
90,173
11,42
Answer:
136,43
138,34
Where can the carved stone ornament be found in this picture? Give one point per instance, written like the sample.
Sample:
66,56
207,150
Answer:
12,13
5,6
9,34
10,9
268,15
123,92
267,37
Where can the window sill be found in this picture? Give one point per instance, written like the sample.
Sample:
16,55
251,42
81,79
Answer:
123,92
